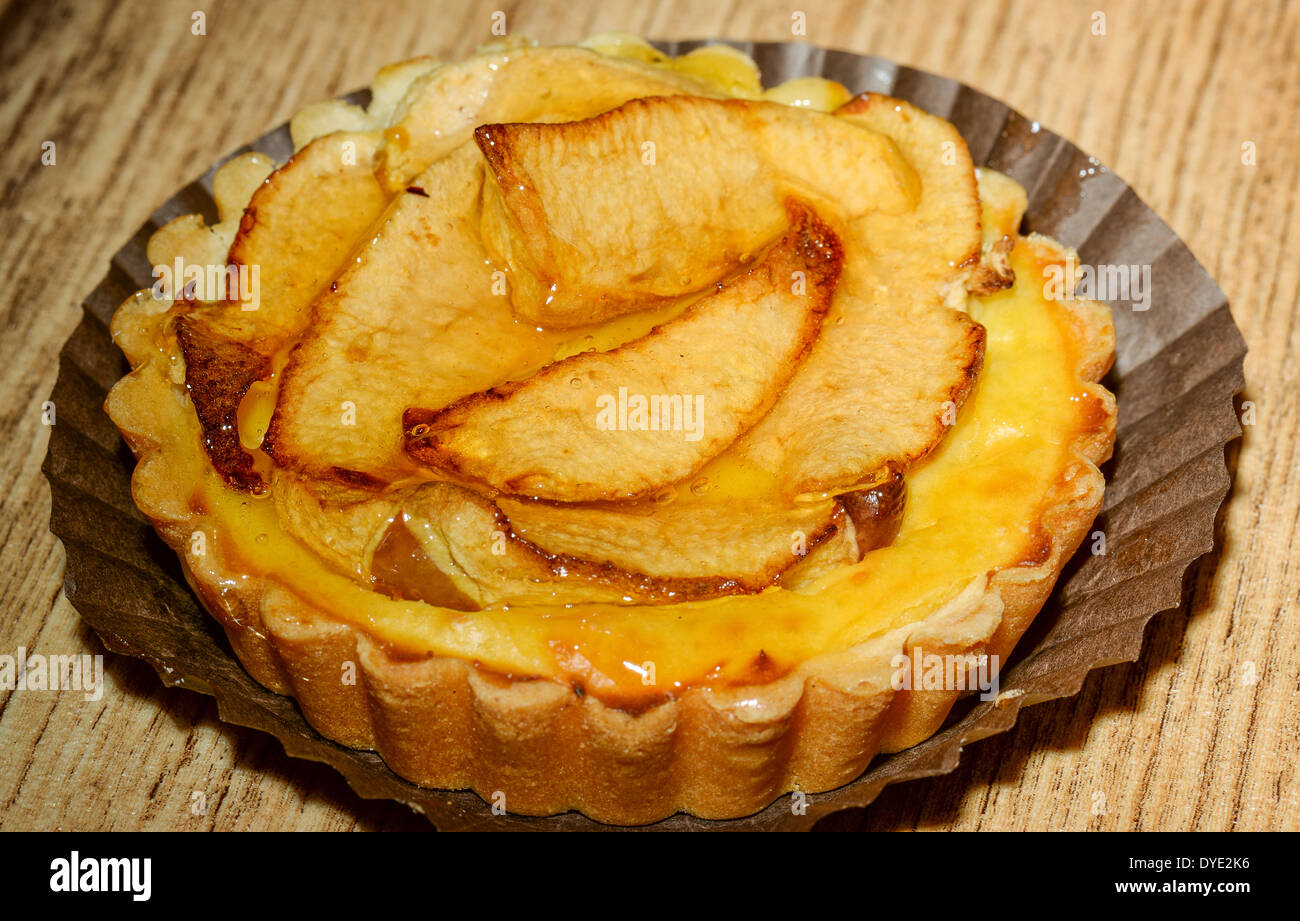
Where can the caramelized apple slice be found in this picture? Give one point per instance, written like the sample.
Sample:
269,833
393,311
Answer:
218,372
666,195
898,353
624,423
489,557
452,547
444,105
735,541
300,226
412,321
297,230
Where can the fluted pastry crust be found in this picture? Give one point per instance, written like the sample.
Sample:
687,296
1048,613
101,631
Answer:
445,722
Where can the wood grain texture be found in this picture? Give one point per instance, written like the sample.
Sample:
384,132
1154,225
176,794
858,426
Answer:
1201,733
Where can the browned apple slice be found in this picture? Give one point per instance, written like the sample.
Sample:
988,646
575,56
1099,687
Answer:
898,353
752,542
442,107
873,516
412,321
624,423
493,559
294,236
604,216
741,542
452,547
218,372
302,223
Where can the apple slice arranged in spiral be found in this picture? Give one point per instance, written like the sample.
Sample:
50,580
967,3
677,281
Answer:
666,195
703,378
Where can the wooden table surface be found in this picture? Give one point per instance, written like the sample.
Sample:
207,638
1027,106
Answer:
137,106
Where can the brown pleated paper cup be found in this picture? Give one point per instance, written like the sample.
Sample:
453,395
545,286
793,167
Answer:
1177,371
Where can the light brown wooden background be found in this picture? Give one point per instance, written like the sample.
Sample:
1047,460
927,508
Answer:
138,106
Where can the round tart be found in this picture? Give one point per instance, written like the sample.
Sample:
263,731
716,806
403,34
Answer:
596,430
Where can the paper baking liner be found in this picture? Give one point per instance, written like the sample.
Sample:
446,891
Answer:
1177,371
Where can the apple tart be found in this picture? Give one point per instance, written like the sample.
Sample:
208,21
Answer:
600,427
